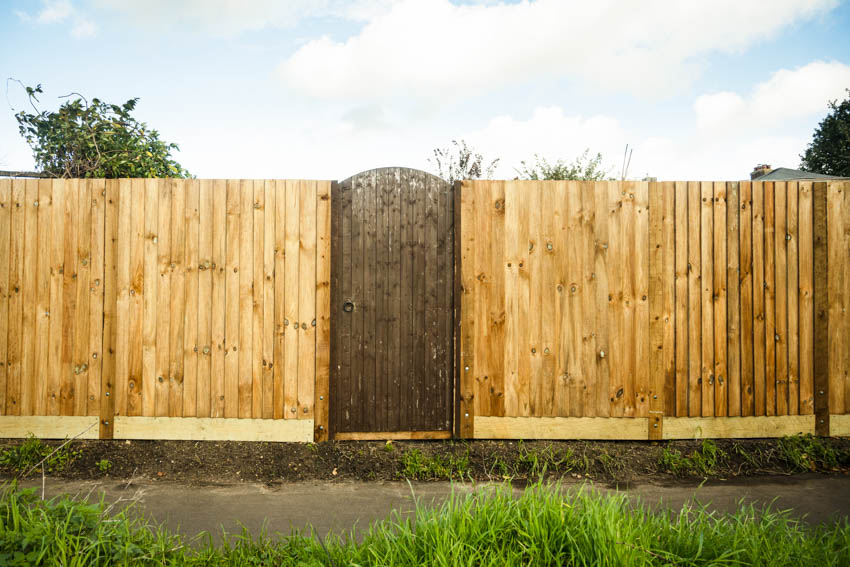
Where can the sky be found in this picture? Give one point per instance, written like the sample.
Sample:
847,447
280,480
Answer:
324,89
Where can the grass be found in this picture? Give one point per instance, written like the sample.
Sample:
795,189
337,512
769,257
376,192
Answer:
543,526
704,461
21,458
416,465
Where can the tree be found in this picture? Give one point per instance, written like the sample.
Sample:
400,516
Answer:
95,139
829,151
461,162
583,167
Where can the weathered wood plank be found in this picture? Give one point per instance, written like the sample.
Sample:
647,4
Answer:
97,315
512,254
746,295
695,314
56,255
258,361
184,388
280,298
683,274
150,379
232,342
759,307
113,277
30,307
307,301
496,288
770,375
218,301
166,384
291,279
80,327
17,236
806,299
657,214
246,301
793,290
596,428
837,285
641,300
268,285
707,298
721,331
667,388
63,313
323,308
205,297
588,290
781,296
616,299
733,294
464,213
5,293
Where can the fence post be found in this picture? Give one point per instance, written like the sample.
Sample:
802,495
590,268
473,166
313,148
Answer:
463,315
821,301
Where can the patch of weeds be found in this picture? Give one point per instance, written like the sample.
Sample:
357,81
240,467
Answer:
809,453
104,465
415,465
609,465
534,463
389,447
701,462
501,469
28,454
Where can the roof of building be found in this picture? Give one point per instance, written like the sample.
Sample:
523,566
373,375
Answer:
788,174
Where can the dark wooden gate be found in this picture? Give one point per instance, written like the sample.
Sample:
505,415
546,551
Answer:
391,306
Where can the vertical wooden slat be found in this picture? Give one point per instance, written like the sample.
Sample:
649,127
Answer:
112,252
5,292
246,303
179,267
483,264
184,316
631,251
759,307
30,306
657,214
781,297
844,333
56,256
307,300
371,392
837,294
511,279
601,308
770,375
80,330
733,294
279,297
616,307
707,283
669,306
641,299
292,290
557,392
167,384
822,307
131,270
323,307
683,273
17,236
464,213
205,297
69,297
97,315
268,285
61,397
746,295
151,381
259,363
793,290
218,385
721,331
382,313
573,285
806,300
446,230
589,283
496,287
695,314
232,342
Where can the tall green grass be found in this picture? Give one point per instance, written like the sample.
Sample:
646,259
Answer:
543,526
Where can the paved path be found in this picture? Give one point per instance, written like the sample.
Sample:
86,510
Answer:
343,505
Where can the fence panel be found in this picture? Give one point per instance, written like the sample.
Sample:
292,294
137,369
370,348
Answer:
691,300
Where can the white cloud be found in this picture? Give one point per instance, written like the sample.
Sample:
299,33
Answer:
436,49
788,94
83,28
60,11
232,17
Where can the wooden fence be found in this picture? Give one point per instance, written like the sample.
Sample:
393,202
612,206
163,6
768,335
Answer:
635,310
164,308
201,309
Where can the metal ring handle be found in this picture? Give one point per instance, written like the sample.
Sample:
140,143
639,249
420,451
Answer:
348,306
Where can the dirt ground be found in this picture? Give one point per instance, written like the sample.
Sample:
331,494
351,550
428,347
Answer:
614,463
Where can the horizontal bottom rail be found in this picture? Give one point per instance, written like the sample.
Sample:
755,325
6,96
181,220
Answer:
48,426
839,425
393,435
637,428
